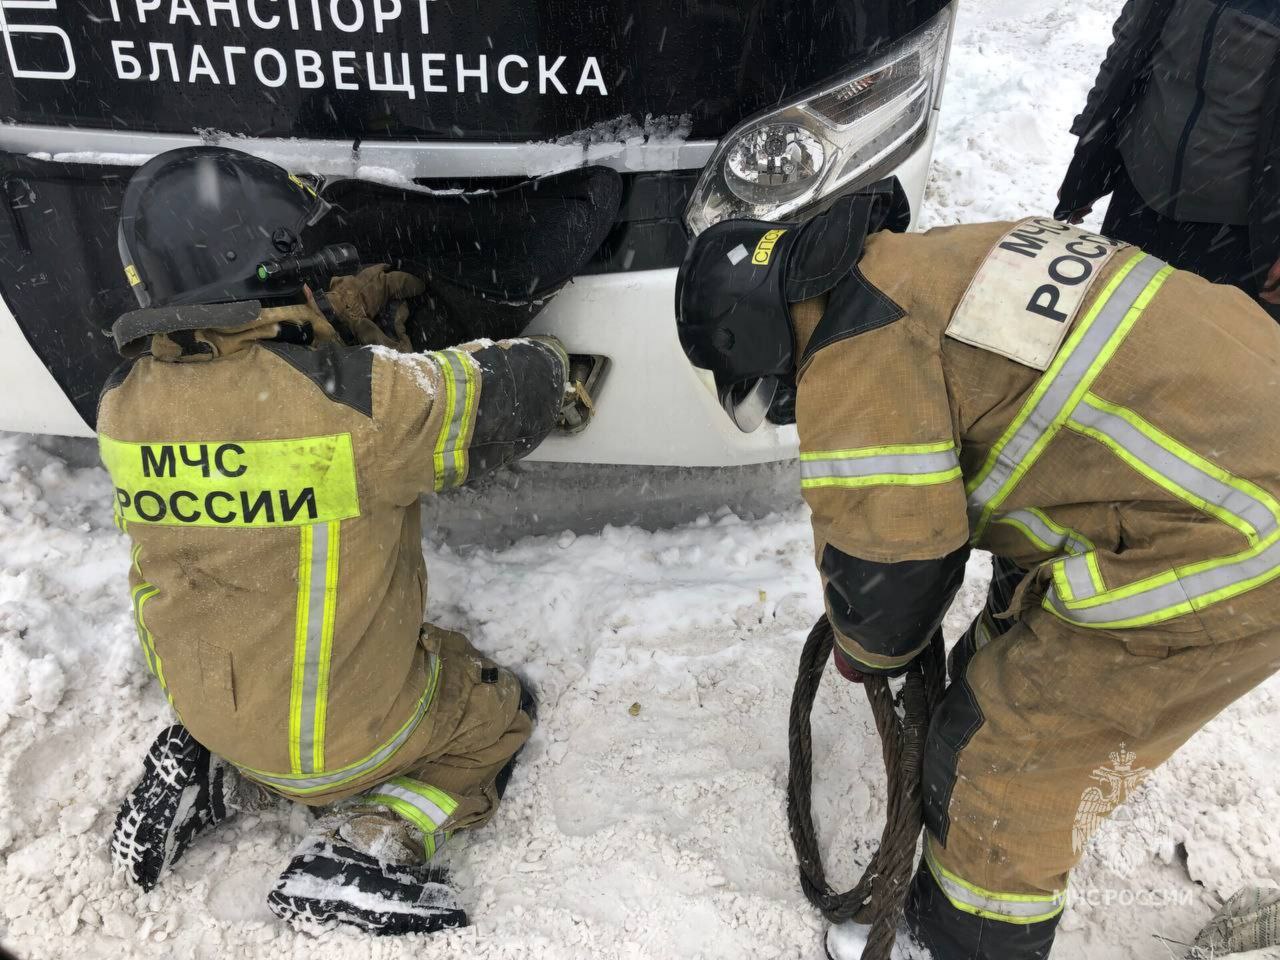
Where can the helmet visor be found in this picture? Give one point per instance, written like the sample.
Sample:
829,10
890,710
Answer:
747,402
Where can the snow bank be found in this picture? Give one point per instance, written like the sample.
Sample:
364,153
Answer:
646,819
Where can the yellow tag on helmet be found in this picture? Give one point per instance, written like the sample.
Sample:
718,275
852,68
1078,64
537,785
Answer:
764,249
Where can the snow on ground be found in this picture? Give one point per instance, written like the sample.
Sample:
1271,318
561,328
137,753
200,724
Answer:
648,831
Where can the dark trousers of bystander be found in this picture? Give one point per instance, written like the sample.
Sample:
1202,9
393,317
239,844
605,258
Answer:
1218,252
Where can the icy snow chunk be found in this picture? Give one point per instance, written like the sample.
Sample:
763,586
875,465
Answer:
46,683
846,941
77,818
38,860
664,128
391,177
100,156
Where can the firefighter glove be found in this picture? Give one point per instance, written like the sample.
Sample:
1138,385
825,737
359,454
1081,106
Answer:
370,308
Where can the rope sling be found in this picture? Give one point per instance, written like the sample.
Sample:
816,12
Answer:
879,897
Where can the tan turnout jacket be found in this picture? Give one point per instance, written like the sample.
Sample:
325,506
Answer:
271,494
1138,475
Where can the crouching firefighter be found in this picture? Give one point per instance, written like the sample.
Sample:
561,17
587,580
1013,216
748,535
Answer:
267,464
1086,413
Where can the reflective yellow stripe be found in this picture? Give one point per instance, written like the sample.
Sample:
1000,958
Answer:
426,807
432,840
1175,468
306,784
458,370
141,594
1044,533
1170,594
1018,908
1090,346
326,645
883,480
301,619
892,465
1245,507
1095,572
450,404
1036,540
893,449
318,553
1051,537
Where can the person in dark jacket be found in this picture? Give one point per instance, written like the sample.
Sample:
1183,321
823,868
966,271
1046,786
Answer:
1182,128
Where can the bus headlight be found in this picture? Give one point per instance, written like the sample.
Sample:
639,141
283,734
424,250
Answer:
849,132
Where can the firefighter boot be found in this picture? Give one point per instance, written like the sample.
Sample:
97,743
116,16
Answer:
367,869
184,791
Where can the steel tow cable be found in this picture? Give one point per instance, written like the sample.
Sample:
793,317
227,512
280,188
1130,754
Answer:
879,897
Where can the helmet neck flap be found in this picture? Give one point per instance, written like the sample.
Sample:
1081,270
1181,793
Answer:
740,277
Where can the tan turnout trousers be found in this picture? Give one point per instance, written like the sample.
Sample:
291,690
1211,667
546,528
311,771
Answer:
448,781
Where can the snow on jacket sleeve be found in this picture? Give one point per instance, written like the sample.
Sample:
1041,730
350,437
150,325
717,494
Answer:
447,417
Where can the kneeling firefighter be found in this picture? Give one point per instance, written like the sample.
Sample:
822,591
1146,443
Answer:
267,464
1092,417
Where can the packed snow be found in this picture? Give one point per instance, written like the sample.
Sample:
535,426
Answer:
646,819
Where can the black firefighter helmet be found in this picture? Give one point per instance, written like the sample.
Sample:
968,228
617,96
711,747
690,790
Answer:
740,277
196,222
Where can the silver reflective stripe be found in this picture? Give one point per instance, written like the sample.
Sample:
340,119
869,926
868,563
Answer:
901,464
1166,463
297,784
1076,371
1053,537
1186,592
1077,567
315,630
1013,909
1010,907
141,594
1056,537
415,800
1076,570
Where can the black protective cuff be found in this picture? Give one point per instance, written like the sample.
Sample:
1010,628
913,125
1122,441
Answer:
521,391
890,610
